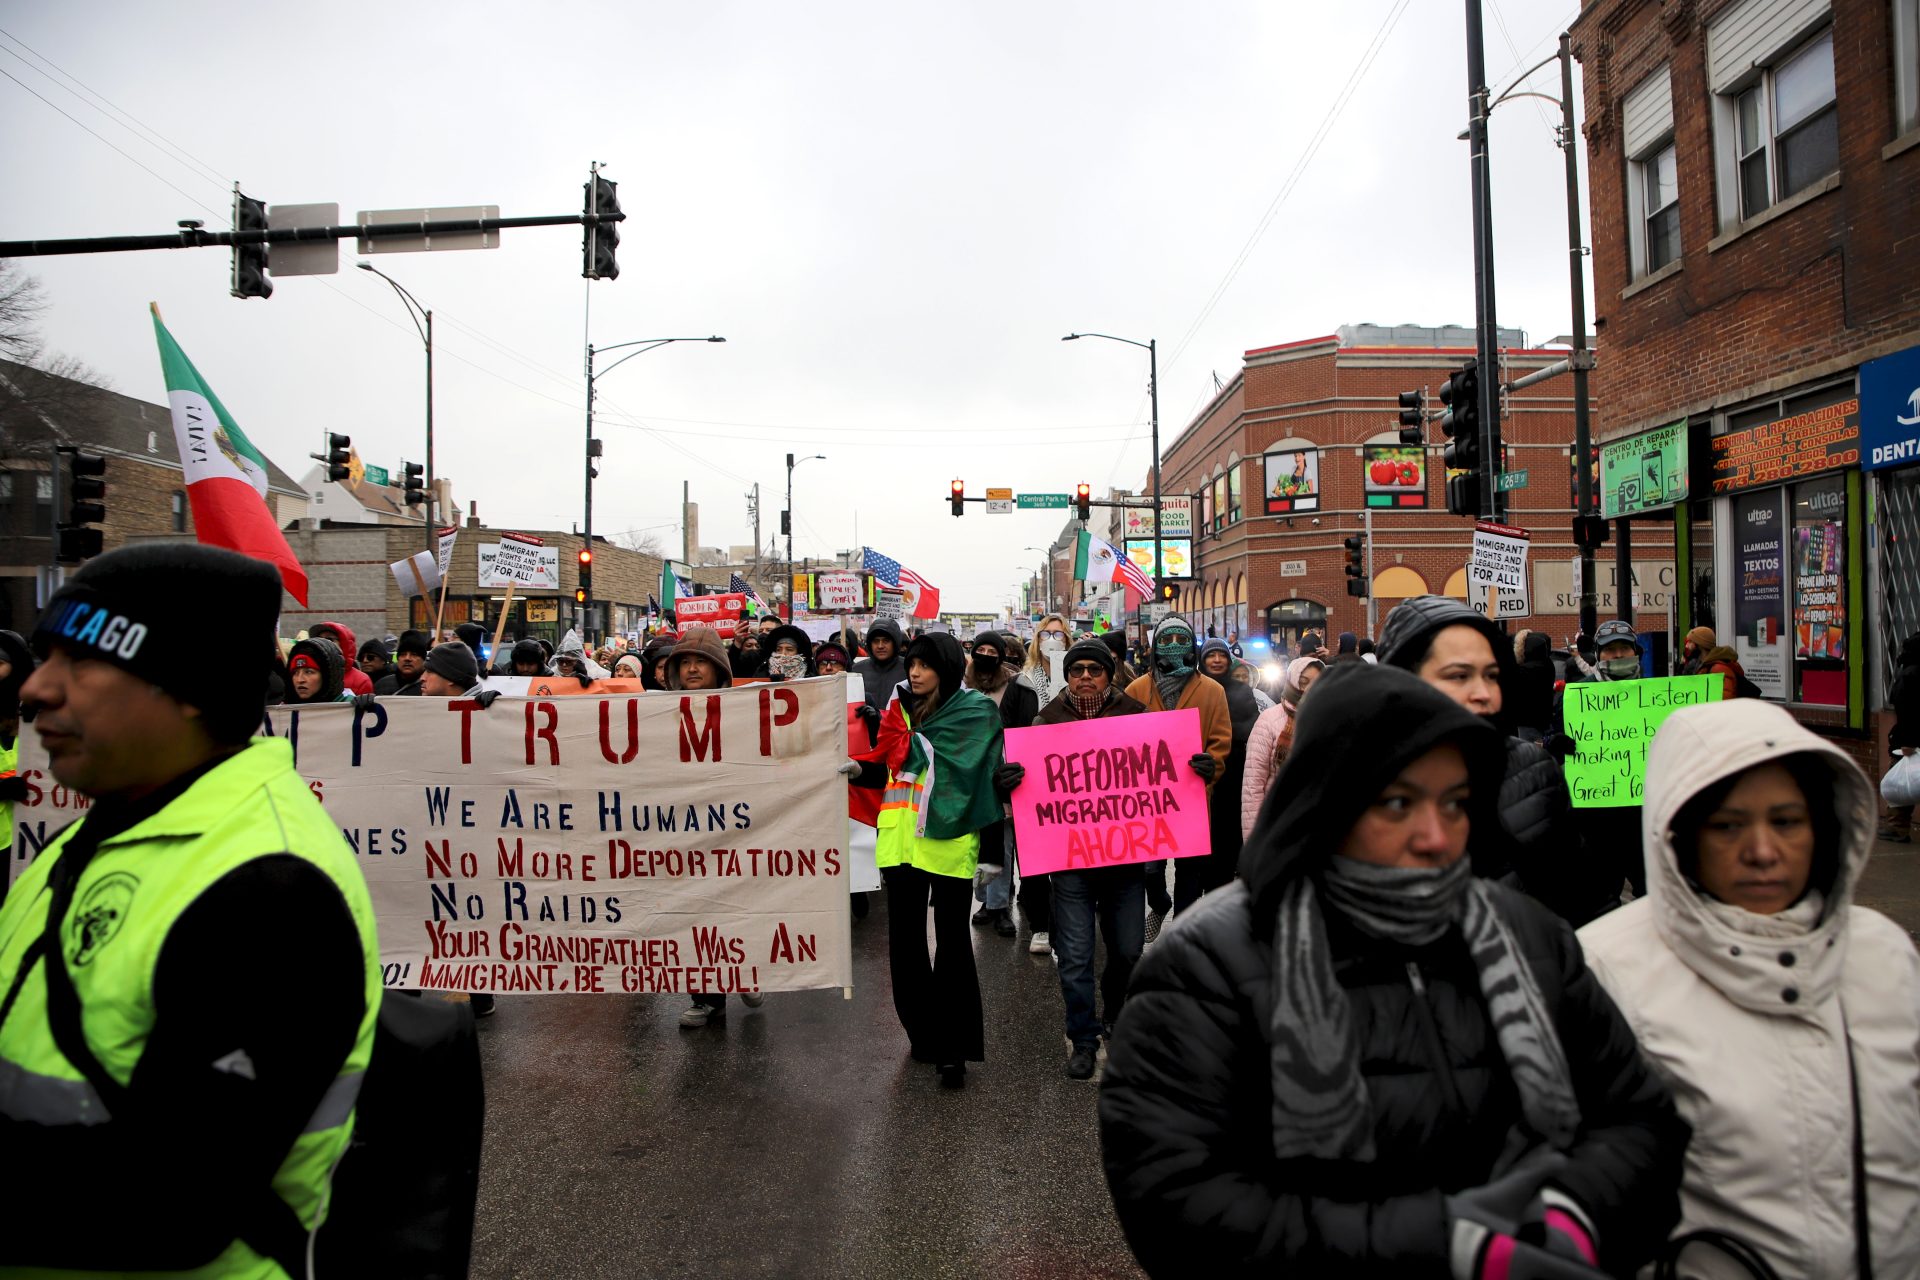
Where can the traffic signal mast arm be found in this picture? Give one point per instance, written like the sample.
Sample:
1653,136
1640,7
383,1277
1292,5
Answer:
196,238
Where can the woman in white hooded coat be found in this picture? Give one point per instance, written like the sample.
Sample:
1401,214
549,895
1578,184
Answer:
1758,990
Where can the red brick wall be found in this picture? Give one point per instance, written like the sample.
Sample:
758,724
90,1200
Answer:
1338,399
1818,289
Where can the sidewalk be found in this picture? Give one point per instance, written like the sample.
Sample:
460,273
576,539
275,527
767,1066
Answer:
1891,884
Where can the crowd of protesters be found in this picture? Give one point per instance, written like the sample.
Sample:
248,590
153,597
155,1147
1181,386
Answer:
1406,1011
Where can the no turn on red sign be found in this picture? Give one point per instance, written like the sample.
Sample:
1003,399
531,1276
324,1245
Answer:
1497,572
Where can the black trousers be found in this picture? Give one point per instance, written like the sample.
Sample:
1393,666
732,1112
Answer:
937,999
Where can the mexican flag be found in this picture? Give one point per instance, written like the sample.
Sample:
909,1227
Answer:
1096,560
226,476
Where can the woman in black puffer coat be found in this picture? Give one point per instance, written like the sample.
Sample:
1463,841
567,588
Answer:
1543,855
1307,1078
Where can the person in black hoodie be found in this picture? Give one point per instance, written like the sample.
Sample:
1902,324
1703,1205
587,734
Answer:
789,653
1195,876
1360,1058
409,664
1529,699
988,672
1464,655
884,667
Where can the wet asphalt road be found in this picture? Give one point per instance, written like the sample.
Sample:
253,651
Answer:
793,1140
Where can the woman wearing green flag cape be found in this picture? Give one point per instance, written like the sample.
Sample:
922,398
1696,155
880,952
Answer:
938,746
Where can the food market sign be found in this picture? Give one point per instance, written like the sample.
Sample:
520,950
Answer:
1787,448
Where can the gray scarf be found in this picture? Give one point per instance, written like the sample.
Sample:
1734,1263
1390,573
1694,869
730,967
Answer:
1320,1105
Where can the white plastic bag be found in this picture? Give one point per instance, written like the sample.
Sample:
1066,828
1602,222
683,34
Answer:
1901,786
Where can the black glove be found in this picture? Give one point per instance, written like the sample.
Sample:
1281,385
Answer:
363,702
13,789
1561,746
485,697
586,681
1007,776
1204,765
869,713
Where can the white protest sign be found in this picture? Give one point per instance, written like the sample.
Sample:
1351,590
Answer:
521,560
839,593
418,574
448,536
633,843
1498,568
889,603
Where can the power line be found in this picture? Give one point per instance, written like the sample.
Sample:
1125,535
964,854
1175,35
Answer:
178,153
36,93
1320,135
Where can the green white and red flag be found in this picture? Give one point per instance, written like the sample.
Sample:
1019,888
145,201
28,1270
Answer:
226,476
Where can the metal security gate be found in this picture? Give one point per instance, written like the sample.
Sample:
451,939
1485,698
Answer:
1897,535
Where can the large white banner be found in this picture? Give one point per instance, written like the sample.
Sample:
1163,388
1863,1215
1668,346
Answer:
636,843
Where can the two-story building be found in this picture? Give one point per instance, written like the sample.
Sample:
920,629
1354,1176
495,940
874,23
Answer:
1755,186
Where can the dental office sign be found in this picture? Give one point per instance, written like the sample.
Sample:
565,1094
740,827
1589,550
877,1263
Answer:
1890,411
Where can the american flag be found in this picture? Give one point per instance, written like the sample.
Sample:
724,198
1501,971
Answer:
1131,576
739,584
923,598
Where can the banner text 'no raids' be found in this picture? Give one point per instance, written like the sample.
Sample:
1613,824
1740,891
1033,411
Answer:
638,843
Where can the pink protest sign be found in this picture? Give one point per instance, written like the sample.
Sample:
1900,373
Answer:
1100,793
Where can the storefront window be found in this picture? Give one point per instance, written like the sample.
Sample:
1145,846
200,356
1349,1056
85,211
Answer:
1233,496
1820,632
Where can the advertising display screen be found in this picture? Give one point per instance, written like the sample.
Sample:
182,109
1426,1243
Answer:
1293,481
1177,553
1395,475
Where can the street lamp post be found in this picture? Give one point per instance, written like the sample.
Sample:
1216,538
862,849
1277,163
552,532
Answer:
642,346
1047,552
423,324
791,464
1151,347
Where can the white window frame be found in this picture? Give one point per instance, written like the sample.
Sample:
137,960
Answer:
1906,66
1640,185
1726,129
1648,109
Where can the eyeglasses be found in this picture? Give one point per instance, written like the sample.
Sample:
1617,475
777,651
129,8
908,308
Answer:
1053,631
1086,669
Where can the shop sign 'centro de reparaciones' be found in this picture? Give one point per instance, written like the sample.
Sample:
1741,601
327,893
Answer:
1787,448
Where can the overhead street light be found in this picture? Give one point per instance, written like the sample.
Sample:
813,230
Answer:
786,519
423,325
1151,347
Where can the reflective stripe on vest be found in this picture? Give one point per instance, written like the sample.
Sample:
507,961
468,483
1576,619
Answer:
127,899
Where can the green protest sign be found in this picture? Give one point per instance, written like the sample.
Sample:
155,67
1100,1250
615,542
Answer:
1613,722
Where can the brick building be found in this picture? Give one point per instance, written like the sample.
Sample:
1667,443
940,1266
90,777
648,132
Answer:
1301,449
1755,186
349,581
146,494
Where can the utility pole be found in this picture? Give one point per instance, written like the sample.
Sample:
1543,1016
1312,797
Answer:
1582,427
1486,325
753,509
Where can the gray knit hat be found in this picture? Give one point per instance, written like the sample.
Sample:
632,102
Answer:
454,663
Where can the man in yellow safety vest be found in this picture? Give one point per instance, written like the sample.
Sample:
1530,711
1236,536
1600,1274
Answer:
164,1105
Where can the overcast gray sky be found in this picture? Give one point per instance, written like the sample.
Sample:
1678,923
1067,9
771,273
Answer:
891,211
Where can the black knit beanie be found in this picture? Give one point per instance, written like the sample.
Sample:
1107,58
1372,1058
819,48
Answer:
454,662
414,642
146,609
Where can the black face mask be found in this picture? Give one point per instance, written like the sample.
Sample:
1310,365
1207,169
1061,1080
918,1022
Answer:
985,661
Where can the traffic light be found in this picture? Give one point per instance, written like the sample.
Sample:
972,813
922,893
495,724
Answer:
1356,545
586,575
1083,500
1413,417
339,456
1589,531
1166,591
959,489
1461,395
415,483
603,237
86,505
250,260
579,595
